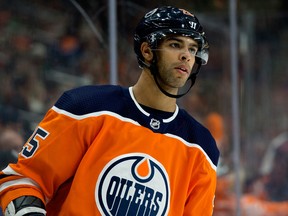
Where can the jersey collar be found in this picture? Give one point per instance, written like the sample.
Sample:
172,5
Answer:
147,113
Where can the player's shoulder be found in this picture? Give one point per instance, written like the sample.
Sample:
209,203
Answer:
94,90
91,98
197,133
191,123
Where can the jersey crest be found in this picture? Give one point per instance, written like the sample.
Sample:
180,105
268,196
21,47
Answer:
133,184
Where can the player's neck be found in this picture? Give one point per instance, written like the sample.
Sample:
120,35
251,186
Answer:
147,93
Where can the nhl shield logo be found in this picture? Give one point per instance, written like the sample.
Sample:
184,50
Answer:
133,185
155,124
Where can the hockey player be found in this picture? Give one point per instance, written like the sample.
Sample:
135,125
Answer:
110,150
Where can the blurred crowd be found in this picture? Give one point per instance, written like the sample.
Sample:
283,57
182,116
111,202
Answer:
46,48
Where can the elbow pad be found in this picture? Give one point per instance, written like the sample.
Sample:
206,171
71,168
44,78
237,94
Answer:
25,206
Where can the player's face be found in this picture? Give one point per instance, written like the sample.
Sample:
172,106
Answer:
176,57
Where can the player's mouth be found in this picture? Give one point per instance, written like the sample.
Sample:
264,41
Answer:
182,69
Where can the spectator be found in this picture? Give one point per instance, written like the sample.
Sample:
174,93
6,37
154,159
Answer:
11,143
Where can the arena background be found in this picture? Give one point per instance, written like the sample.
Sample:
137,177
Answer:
47,47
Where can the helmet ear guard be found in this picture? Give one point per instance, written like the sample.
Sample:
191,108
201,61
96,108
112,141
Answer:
202,55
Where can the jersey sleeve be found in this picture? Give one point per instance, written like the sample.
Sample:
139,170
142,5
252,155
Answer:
202,188
49,158
204,158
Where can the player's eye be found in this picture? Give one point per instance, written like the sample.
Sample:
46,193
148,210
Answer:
193,50
175,45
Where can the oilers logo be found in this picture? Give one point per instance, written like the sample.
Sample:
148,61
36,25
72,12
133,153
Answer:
133,185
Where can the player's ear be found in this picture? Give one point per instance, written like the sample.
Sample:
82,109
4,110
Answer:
146,51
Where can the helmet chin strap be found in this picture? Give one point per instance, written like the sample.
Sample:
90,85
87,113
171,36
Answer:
154,70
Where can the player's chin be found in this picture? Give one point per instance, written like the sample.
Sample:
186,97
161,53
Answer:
180,85
182,81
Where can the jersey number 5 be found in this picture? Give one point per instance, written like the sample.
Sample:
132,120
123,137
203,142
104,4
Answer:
33,144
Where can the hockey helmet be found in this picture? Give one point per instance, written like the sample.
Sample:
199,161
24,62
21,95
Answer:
164,21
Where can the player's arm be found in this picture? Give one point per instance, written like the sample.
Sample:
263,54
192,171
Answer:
48,158
45,162
25,206
201,196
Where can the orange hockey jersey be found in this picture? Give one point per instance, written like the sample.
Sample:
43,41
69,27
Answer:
98,152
